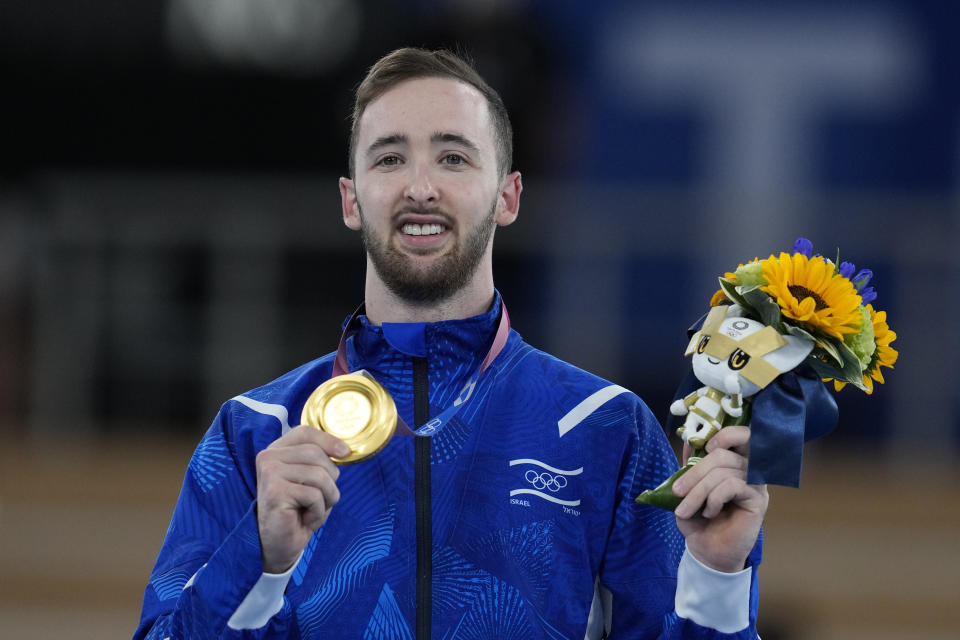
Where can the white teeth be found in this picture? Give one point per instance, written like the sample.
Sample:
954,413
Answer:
421,229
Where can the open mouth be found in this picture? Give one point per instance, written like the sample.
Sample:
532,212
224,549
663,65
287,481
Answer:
413,229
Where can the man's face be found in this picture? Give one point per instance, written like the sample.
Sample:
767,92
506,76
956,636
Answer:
426,196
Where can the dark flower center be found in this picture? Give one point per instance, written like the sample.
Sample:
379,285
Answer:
802,292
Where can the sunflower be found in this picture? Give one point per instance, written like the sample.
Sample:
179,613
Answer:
883,356
810,291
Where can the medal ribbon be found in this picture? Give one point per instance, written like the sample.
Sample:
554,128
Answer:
434,425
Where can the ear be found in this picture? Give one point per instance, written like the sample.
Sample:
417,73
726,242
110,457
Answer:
787,357
508,203
348,201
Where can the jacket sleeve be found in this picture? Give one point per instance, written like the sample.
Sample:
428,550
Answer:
210,558
638,579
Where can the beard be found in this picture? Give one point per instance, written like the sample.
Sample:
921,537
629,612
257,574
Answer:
438,281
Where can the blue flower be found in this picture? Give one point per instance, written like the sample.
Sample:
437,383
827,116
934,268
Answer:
868,295
860,282
846,270
804,246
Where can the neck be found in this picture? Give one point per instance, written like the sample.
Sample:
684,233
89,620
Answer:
382,305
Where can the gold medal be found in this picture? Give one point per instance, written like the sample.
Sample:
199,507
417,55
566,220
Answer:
356,409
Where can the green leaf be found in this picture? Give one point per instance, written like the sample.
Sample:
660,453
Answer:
858,383
852,369
766,308
828,346
846,369
730,289
799,332
823,369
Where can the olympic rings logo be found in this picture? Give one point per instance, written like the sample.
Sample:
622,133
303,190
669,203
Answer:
545,480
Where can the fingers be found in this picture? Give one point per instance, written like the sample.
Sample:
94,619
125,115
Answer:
306,434
300,457
277,474
721,514
719,478
288,513
736,438
306,454
316,503
308,503
306,445
713,481
711,495
296,489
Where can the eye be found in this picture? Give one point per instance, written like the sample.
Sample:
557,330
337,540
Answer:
453,160
702,345
738,360
388,161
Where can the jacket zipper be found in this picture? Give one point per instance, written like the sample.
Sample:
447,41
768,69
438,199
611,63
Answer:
422,499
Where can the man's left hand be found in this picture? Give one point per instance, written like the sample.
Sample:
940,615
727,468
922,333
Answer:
720,515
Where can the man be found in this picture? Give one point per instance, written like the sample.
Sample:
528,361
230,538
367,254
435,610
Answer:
515,518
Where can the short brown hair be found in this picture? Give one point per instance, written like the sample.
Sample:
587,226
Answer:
410,63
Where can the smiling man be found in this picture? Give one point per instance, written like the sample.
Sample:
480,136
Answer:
510,512
427,192
430,185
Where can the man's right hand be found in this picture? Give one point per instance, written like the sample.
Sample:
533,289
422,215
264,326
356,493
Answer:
296,488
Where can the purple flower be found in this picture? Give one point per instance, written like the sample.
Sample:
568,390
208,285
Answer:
862,278
867,294
846,270
804,246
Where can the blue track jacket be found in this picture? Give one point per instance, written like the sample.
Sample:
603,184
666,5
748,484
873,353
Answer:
531,485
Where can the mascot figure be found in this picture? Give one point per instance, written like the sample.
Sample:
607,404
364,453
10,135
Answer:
734,357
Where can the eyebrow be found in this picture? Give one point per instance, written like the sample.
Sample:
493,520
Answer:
454,138
437,137
386,141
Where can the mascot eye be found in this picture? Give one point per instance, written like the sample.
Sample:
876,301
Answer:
702,345
738,360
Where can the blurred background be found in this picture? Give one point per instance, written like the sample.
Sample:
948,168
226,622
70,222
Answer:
170,236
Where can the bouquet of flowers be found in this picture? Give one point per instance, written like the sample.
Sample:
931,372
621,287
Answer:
828,302
777,329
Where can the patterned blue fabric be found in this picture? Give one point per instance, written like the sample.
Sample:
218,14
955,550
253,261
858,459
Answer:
526,521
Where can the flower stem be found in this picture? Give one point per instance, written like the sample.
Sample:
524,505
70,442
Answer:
663,496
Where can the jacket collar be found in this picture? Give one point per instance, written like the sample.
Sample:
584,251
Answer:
458,340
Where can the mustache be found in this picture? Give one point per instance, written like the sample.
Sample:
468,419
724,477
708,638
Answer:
423,211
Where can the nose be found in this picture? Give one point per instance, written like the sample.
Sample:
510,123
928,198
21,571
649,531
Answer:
420,190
